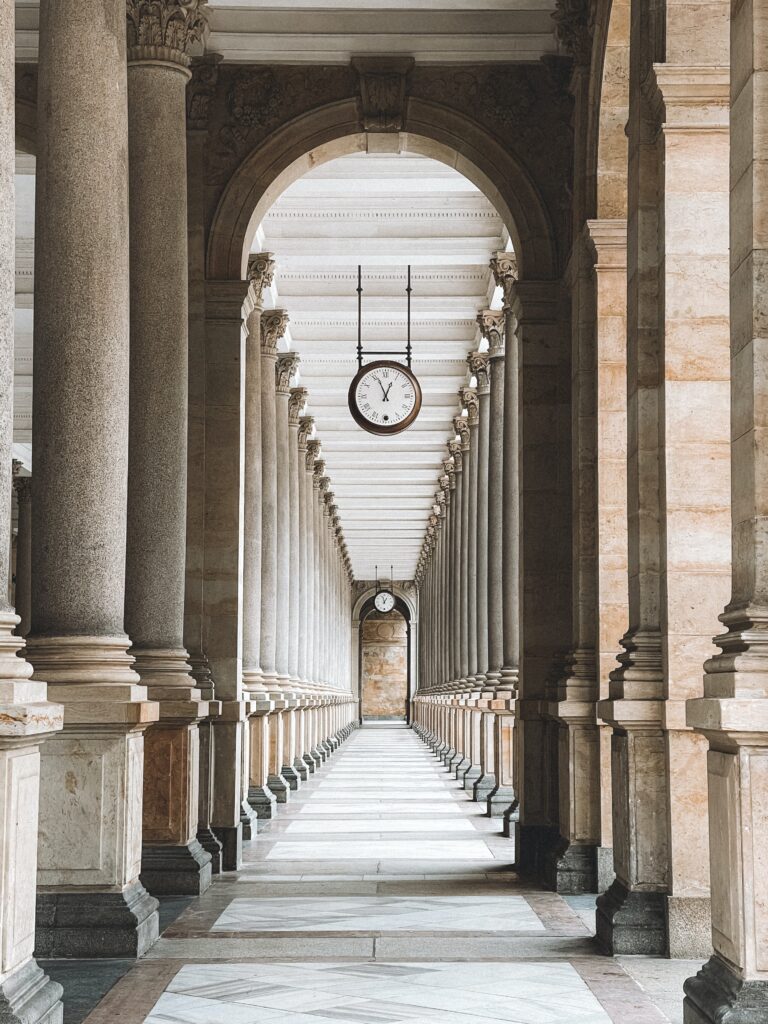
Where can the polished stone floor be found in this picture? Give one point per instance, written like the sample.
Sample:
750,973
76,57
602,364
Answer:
383,894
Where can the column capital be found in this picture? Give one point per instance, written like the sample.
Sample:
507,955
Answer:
260,274
461,426
306,426
313,452
573,29
450,472
319,472
491,324
480,368
285,371
456,453
296,402
468,399
274,323
23,487
504,270
165,30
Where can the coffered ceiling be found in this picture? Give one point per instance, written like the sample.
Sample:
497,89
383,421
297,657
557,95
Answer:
383,211
332,31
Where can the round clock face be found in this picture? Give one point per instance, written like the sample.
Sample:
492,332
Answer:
384,397
384,601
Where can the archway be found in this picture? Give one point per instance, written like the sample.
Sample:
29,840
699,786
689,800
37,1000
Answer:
384,642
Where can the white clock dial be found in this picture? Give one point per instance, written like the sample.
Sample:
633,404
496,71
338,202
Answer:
384,601
385,396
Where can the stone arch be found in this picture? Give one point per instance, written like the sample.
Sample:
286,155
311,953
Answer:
333,130
408,608
609,110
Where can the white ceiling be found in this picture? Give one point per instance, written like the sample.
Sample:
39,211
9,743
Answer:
383,211
332,31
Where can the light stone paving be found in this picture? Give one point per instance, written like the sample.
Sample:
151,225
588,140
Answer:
333,920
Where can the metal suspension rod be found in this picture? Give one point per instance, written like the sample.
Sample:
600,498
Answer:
359,316
408,346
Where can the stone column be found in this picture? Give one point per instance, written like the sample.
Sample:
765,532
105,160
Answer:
90,898
461,425
273,326
480,367
454,448
27,995
287,365
173,862
261,269
470,400
678,431
222,553
303,762
23,594
732,714
492,327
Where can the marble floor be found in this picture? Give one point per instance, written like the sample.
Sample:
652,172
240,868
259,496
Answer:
383,894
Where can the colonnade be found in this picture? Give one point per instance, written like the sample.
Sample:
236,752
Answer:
468,573
174,718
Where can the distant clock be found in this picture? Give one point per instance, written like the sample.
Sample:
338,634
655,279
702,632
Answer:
384,397
384,601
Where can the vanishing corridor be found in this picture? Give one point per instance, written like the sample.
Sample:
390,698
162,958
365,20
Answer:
382,894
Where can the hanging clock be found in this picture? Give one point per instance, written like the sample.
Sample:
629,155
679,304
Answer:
384,397
384,601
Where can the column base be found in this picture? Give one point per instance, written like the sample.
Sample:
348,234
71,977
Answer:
460,767
263,801
28,996
311,764
510,820
689,927
500,800
291,776
571,869
301,768
483,788
231,839
279,787
211,845
249,821
175,870
88,925
532,844
716,995
631,923
470,776
605,873
319,755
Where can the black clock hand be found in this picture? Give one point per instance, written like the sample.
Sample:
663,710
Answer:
386,393
382,388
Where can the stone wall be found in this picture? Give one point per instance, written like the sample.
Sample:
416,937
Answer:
384,672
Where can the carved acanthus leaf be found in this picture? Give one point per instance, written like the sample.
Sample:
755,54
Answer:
296,402
261,274
504,269
468,399
273,326
454,448
201,89
285,371
479,367
165,29
491,324
313,454
461,426
383,87
306,426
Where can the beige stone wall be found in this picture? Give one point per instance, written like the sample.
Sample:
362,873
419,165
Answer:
384,667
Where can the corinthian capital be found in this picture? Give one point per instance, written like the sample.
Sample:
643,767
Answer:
296,402
504,269
261,273
479,367
573,28
454,450
285,371
23,487
306,426
491,324
165,30
449,467
273,326
461,426
468,399
313,453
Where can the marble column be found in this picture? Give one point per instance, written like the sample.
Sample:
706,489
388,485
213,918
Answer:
22,485
273,326
732,714
260,799
173,862
480,367
303,762
503,799
461,426
469,400
492,327
679,433
454,448
90,901
27,995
